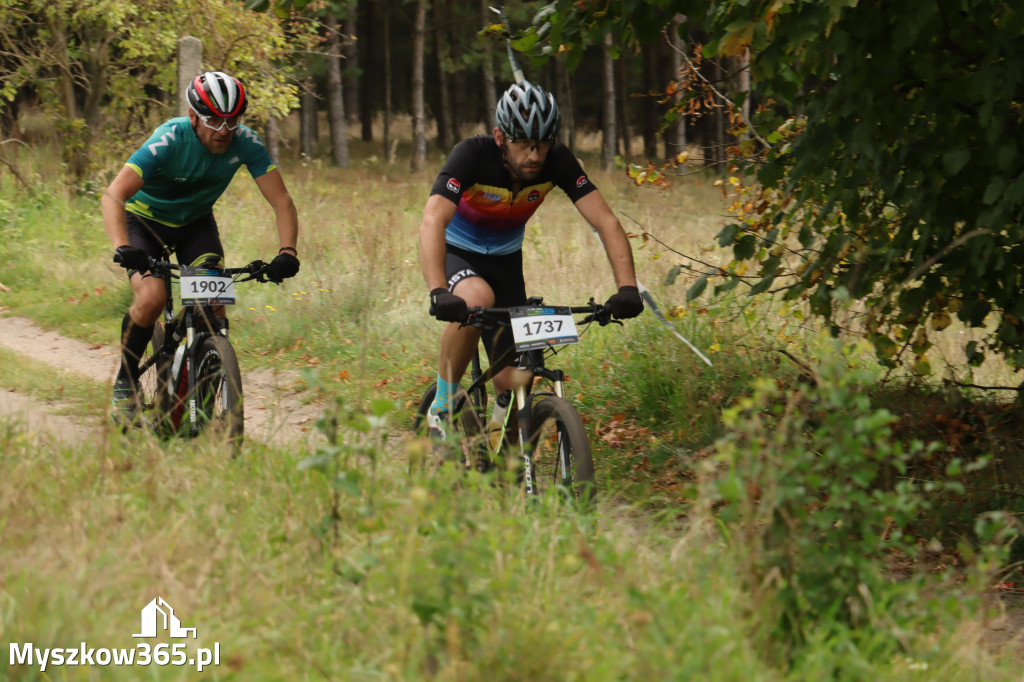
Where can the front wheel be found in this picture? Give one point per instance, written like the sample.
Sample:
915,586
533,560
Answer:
218,389
561,451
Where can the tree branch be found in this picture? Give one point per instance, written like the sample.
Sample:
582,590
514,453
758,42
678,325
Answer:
710,85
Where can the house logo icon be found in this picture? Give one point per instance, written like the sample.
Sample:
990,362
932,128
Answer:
151,620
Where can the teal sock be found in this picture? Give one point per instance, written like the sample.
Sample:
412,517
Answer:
443,397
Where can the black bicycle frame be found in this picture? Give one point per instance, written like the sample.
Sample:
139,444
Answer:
531,362
173,335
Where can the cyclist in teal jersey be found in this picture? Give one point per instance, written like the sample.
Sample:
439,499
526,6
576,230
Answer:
472,231
163,199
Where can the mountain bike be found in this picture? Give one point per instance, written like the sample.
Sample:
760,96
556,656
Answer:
189,378
543,437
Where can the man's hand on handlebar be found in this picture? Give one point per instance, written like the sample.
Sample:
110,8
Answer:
283,266
447,307
626,303
131,258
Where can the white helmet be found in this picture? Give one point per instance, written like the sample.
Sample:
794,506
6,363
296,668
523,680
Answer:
528,112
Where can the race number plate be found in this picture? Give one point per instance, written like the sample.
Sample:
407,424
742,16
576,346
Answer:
206,286
541,327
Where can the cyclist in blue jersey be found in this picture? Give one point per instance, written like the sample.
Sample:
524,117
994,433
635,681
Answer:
163,199
471,234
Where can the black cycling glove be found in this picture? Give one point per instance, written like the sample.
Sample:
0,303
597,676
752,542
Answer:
447,307
131,258
285,265
626,303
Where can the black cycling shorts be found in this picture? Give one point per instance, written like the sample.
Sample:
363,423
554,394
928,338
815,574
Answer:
193,243
504,274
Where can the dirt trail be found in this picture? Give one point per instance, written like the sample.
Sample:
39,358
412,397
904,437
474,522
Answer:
273,411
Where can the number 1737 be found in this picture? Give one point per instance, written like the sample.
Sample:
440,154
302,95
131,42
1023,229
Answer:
543,327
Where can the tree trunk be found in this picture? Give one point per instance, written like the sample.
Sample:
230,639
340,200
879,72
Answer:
389,154
608,122
458,78
490,87
419,133
743,81
719,114
273,140
650,81
566,105
624,109
444,126
370,71
676,137
335,94
308,129
352,72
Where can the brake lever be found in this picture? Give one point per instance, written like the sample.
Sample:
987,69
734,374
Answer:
601,315
258,271
469,321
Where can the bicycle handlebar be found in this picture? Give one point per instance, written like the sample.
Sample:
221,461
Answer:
256,269
481,317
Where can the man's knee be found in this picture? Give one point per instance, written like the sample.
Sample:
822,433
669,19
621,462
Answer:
149,302
475,292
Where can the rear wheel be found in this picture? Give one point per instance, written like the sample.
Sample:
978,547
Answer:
561,451
472,446
218,389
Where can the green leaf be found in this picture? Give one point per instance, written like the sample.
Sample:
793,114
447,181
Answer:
955,160
727,285
670,279
745,246
994,190
318,462
912,300
381,407
1006,155
762,286
727,234
348,483
525,42
697,288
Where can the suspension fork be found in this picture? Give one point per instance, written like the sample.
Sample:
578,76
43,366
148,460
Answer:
189,360
522,382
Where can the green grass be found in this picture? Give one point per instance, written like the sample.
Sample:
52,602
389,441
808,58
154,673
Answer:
69,392
319,561
409,581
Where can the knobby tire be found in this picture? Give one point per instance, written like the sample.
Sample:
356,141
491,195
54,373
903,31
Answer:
555,424
218,388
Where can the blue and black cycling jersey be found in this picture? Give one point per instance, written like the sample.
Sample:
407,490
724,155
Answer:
490,218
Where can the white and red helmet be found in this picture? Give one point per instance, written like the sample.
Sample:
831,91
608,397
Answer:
215,93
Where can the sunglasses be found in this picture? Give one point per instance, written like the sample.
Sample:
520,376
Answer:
539,145
229,123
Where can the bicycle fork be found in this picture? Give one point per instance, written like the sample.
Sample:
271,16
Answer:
190,372
522,382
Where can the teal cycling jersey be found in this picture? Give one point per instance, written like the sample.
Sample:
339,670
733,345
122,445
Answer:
183,180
